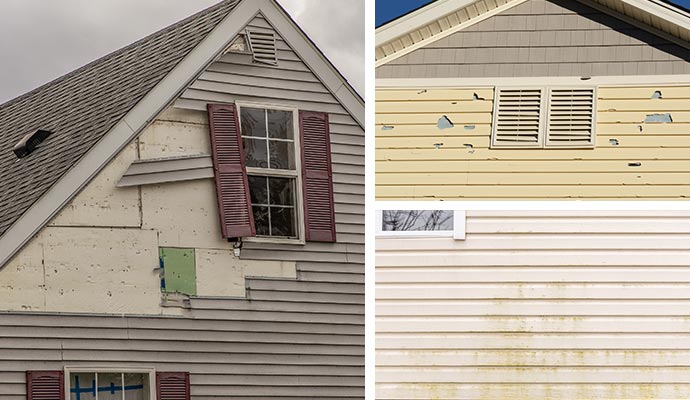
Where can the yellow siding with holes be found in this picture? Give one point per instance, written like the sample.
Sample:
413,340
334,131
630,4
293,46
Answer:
415,160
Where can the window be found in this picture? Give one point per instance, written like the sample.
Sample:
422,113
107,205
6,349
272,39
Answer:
110,385
411,223
271,159
544,118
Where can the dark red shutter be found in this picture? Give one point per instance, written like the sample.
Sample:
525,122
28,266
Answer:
45,385
234,202
172,385
317,176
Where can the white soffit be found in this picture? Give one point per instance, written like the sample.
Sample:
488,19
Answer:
444,17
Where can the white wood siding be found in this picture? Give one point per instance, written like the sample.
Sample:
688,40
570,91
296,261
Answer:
537,305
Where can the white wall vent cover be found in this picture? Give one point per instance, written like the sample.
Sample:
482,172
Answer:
571,120
263,47
517,117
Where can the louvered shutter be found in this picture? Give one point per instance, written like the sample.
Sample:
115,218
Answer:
317,176
571,117
234,202
518,117
263,47
45,385
172,386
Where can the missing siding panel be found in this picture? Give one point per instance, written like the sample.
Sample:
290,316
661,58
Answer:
444,123
663,118
178,270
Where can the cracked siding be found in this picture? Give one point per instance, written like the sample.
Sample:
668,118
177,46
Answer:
410,165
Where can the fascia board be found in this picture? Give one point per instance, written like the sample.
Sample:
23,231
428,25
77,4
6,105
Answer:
418,19
314,59
672,15
135,121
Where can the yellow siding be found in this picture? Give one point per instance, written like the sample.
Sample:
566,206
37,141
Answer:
632,159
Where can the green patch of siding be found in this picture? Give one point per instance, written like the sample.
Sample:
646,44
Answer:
179,266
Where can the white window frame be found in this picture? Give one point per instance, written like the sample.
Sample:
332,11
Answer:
110,370
299,195
544,117
458,232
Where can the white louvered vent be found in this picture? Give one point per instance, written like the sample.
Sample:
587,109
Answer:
263,47
517,117
571,118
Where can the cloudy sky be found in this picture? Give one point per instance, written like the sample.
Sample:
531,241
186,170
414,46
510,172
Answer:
42,40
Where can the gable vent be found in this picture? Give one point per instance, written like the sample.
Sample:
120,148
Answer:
517,117
263,47
30,142
571,118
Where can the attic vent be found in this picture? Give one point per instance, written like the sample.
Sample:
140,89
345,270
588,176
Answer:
571,117
517,118
30,142
263,47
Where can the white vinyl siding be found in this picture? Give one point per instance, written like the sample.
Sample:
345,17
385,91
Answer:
537,305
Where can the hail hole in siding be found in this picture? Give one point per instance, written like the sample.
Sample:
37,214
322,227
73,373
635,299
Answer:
614,142
469,127
640,127
635,164
476,97
438,145
387,128
444,123
422,91
657,95
666,117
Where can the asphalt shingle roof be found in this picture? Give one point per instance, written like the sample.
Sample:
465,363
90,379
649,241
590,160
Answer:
82,106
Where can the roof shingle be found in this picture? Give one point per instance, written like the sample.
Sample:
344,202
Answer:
82,106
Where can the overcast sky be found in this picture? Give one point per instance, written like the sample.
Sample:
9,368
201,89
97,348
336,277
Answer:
42,40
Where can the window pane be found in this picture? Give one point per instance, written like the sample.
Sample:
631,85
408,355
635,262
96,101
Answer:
282,191
416,220
82,386
282,155
280,124
255,153
110,386
253,122
137,387
258,188
282,222
261,221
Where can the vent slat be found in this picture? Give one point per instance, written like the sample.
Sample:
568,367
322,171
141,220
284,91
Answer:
571,117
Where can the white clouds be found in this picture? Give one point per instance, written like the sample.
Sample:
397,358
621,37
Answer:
46,39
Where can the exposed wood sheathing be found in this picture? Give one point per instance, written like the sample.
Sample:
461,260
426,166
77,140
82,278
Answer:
294,328
632,159
537,305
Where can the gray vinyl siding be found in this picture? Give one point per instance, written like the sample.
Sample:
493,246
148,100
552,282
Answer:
290,338
544,38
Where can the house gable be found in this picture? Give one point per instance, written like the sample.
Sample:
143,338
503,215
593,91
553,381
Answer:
544,38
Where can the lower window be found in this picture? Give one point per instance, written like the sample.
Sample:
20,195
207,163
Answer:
273,204
109,386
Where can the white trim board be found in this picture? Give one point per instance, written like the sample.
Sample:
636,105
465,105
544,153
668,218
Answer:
622,81
163,95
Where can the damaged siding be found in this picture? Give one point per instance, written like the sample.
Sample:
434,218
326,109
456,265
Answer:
543,38
538,305
281,321
634,157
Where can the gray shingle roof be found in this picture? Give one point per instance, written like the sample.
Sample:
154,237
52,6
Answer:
82,106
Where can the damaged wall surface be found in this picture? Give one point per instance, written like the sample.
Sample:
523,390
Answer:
638,153
537,305
280,321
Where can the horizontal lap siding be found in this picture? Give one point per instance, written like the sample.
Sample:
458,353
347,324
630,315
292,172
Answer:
288,339
539,305
410,166
543,38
